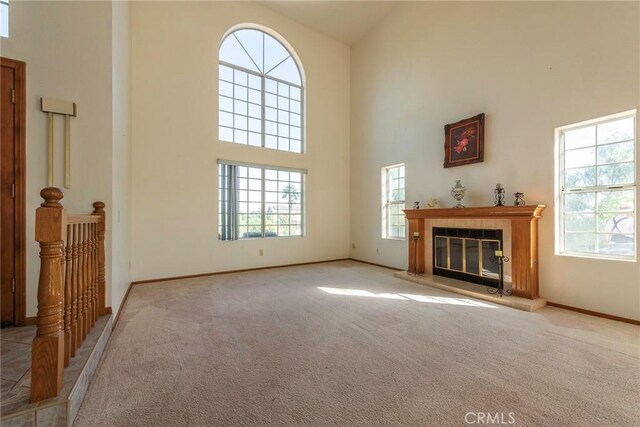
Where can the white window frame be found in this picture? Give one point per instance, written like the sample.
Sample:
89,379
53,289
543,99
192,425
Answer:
387,202
263,168
561,191
264,93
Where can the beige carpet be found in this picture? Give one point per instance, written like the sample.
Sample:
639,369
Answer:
272,348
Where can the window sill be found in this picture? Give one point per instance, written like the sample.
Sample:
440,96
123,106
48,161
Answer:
595,257
399,239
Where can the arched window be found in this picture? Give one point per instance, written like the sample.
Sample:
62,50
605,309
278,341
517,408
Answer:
260,92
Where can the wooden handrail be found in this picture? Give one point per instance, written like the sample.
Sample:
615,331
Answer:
83,219
71,288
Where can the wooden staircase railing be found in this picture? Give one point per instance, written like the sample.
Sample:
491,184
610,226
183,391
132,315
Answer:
71,288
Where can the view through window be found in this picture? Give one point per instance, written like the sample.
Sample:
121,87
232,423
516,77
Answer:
393,221
256,201
597,187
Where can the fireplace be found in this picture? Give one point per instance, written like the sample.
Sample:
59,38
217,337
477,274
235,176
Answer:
467,254
519,241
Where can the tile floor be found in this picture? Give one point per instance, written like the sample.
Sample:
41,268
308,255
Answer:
15,408
15,378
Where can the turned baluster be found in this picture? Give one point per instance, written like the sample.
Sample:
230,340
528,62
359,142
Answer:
75,342
85,283
79,279
98,209
47,359
92,270
67,298
95,273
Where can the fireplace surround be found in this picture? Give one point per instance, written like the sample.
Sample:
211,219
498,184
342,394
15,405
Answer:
519,226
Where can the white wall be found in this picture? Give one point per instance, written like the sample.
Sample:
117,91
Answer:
531,67
67,48
175,142
120,211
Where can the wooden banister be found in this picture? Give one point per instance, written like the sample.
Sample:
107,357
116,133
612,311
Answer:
71,288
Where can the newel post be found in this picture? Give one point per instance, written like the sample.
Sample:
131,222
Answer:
98,209
47,358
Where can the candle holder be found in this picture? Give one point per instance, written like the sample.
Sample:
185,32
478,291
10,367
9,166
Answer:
519,199
499,191
416,205
500,289
414,270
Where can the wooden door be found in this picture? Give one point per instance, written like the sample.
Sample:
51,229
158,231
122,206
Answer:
12,268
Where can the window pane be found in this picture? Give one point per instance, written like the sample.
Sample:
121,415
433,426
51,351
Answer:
271,86
580,158
616,245
274,53
294,93
225,119
255,82
225,73
255,96
225,134
287,71
616,222
255,139
271,114
271,142
580,202
616,153
616,201
240,136
226,104
622,173
619,130
240,122
232,52
255,111
225,89
251,41
578,138
580,222
580,242
240,78
582,177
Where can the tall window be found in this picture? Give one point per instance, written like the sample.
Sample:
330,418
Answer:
4,18
259,201
597,186
260,92
393,222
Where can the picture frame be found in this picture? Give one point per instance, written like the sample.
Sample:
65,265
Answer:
464,142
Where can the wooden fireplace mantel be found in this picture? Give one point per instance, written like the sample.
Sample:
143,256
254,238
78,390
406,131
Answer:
523,222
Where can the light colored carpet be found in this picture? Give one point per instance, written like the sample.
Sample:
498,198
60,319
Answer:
272,348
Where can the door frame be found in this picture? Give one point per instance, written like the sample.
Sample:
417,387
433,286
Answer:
20,128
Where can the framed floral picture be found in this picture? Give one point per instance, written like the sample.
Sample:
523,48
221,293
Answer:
464,142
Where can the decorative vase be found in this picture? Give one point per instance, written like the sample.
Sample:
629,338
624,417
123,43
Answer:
457,192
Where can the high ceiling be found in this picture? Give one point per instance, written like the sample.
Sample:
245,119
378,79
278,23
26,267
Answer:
345,21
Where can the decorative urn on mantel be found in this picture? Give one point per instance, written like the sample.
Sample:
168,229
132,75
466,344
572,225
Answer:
458,191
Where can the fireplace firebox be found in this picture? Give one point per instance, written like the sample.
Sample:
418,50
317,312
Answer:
467,254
